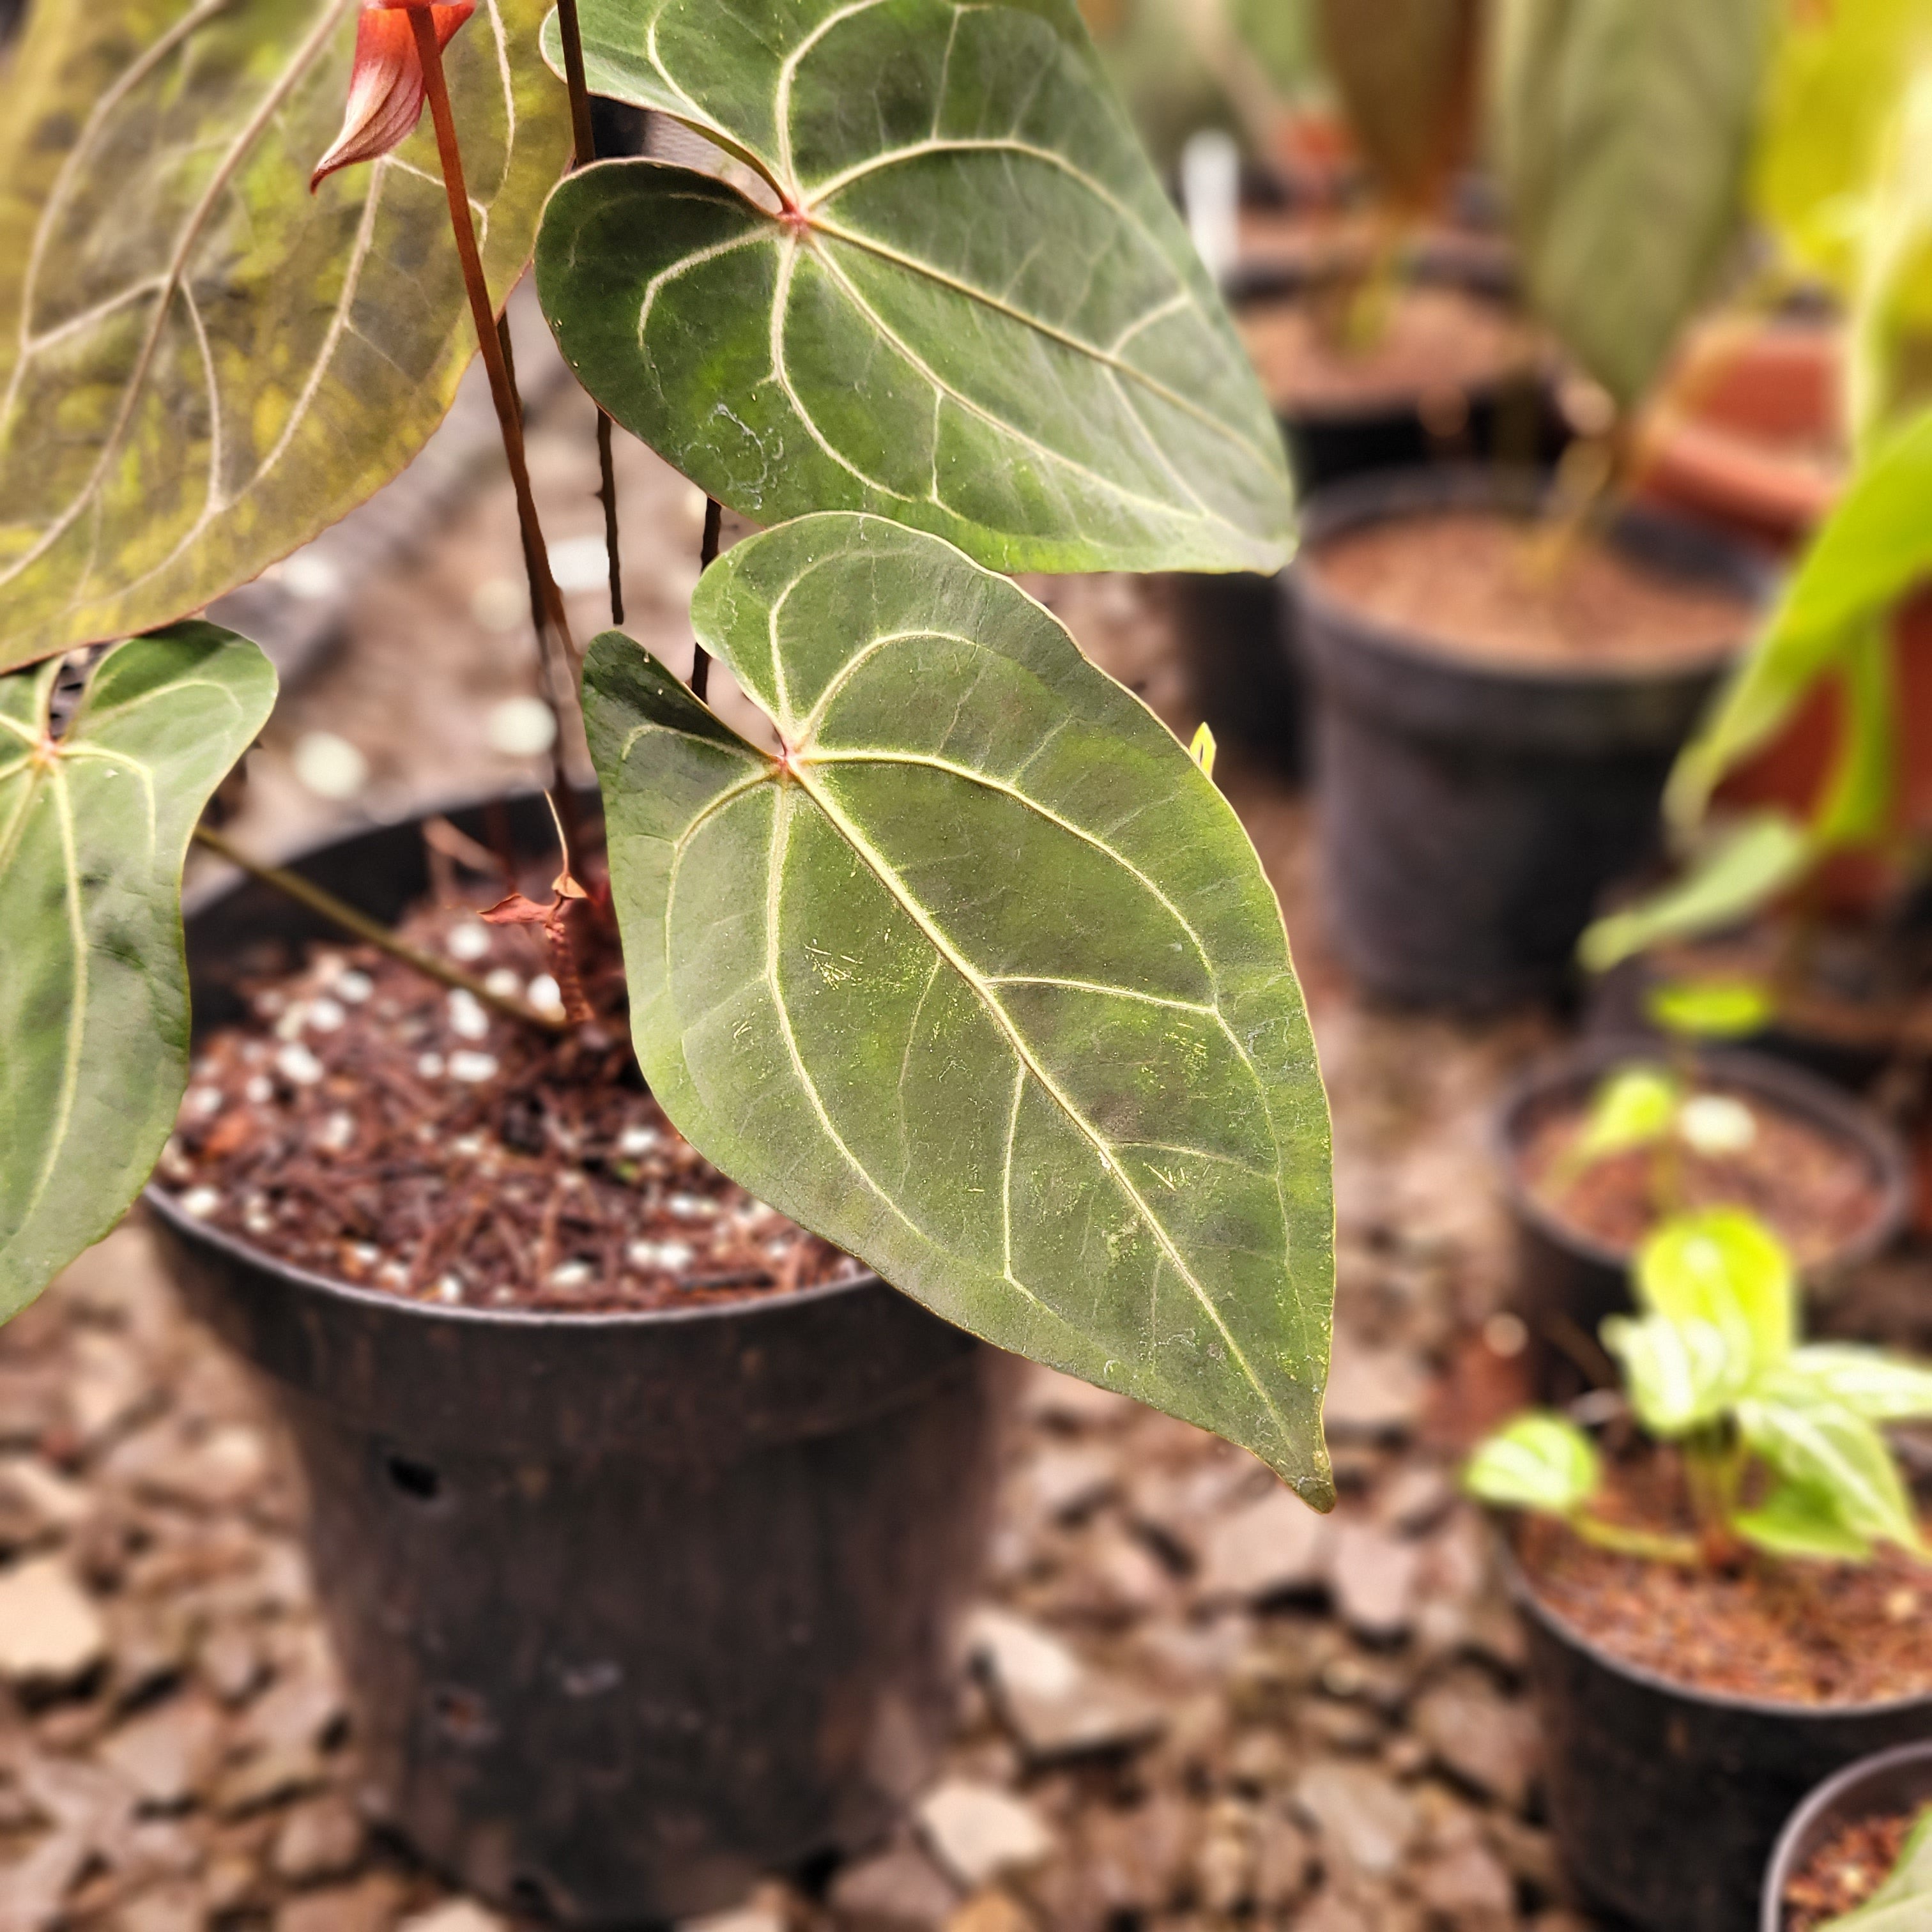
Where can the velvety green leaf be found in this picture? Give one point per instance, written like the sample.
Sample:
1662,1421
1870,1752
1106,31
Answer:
201,365
1868,1381
1539,1461
1903,1903
93,1021
1723,1266
1824,1446
1875,546
1404,69
1631,1108
980,978
1795,1520
1620,130
1740,865
1833,82
964,302
1680,1372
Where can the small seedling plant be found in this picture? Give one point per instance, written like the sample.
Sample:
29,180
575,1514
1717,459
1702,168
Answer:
1779,1440
967,966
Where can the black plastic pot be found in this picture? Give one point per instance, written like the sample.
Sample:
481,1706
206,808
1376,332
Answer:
632,1608
1568,1281
1884,1786
1666,1801
1472,811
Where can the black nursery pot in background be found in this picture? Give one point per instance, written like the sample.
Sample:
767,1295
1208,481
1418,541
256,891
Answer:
633,1608
1567,1280
1666,1801
1471,811
1893,1782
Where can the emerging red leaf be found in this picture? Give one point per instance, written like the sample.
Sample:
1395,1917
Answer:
386,85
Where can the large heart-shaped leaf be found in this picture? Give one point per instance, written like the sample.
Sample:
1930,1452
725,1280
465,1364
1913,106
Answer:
979,976
966,304
1621,129
201,365
94,1020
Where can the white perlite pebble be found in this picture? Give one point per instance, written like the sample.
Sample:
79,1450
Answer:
325,1014
1716,1124
352,986
468,941
296,1063
572,1274
504,981
49,1630
634,1141
200,1202
201,1101
473,1068
544,994
670,1255
430,1065
467,1019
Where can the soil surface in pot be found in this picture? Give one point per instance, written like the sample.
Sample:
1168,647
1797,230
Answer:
1817,1190
1845,1870
1480,583
1797,1633
1439,341
371,1125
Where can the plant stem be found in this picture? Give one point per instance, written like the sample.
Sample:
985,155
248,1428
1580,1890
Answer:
707,555
583,151
1627,1542
339,912
503,392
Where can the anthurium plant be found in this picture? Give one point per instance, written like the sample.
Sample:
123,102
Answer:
1779,1440
968,967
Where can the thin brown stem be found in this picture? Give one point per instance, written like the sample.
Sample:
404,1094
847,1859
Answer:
339,912
503,392
607,494
707,555
1628,1542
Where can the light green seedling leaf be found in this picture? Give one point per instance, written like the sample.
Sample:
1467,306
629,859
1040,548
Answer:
1724,1267
963,302
1739,869
1823,1446
1888,369
1620,130
1538,1461
1679,1373
1903,1903
1874,547
1795,1520
979,978
1715,1009
1632,1107
94,1019
1868,1381
202,364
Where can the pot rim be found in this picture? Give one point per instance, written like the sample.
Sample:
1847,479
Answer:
1395,496
1822,1798
1522,1594
1813,1099
194,1232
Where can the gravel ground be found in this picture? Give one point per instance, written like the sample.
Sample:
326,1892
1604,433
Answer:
1189,1702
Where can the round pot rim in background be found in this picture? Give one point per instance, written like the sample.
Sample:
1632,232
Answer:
1671,543
1555,1076
1826,1807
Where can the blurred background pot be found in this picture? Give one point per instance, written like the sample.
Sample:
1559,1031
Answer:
1888,1783
1568,1280
1472,809
1666,1801
632,1608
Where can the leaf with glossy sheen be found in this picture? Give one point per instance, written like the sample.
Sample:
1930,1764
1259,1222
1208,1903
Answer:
981,980
1621,129
981,317
94,1019
201,365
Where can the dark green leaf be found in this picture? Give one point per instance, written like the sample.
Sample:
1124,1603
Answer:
979,316
201,365
93,828
981,978
1621,129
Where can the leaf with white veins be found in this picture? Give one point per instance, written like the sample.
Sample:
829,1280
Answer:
963,302
93,1014
979,977
201,363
